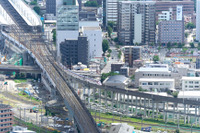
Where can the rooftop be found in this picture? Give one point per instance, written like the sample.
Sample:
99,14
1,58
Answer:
2,106
92,28
191,78
117,79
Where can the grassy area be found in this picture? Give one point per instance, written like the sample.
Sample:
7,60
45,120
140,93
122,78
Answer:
33,127
131,121
20,80
22,94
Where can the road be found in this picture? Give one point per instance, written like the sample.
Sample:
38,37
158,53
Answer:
113,58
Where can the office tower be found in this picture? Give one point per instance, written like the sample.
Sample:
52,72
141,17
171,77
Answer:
132,53
136,22
171,31
51,7
67,22
198,20
74,51
187,8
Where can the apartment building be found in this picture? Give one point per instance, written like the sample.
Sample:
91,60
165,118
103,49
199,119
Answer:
74,51
51,7
6,118
190,83
132,53
136,22
198,20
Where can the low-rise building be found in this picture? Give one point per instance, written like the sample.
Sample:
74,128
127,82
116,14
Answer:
6,118
190,83
158,84
121,128
118,81
19,129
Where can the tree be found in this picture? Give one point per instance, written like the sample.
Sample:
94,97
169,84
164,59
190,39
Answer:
105,45
156,58
109,51
54,35
110,30
192,45
116,39
169,45
91,4
180,45
186,35
33,2
190,26
37,9
111,24
199,44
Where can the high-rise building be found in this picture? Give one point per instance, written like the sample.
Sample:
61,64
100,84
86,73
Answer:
187,8
94,35
51,7
198,63
6,118
136,22
74,51
198,20
171,31
132,53
165,15
67,22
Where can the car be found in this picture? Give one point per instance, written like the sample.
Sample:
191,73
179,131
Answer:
67,126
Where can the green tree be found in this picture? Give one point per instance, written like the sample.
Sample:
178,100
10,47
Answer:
105,45
110,30
180,45
111,24
192,45
186,35
33,2
199,44
37,9
54,35
190,26
156,58
109,51
116,39
105,75
91,4
169,45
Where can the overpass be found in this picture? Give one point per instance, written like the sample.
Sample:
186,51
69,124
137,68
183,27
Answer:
22,36
20,69
120,100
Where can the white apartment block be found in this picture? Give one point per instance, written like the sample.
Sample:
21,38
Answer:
94,35
156,83
165,15
190,83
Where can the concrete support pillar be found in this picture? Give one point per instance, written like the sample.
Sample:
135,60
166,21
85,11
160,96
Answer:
185,114
84,93
199,114
88,95
149,108
174,112
106,99
99,96
152,108
127,103
112,98
164,112
156,109
136,105
188,111
196,115
120,100
145,109
131,104
117,105
140,104
124,105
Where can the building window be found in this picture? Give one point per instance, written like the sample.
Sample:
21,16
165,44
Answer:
190,86
161,83
167,83
196,82
186,86
191,82
186,82
144,83
196,86
150,83
155,83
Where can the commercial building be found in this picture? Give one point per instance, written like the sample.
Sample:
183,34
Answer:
74,51
67,22
198,20
51,7
94,35
171,31
136,22
187,8
159,84
190,83
116,66
6,118
132,53
165,15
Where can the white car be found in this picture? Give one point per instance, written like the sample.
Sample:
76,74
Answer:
67,126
